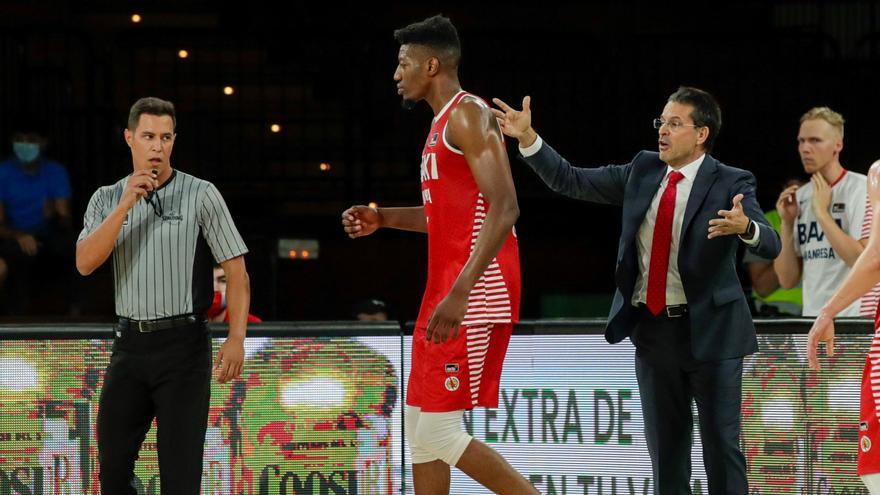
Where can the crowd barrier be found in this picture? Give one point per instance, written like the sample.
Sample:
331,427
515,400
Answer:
318,410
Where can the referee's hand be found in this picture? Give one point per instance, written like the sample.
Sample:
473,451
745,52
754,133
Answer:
230,359
140,183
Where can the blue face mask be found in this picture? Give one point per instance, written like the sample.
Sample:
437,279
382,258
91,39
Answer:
26,152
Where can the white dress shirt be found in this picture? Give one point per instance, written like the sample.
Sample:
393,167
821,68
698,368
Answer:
645,238
674,289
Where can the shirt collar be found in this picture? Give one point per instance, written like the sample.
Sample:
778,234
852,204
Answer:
690,170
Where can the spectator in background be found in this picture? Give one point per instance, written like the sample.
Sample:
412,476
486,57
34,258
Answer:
217,313
769,297
826,223
35,222
370,310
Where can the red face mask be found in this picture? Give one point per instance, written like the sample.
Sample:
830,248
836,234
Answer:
217,305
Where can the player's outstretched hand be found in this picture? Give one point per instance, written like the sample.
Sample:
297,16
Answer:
447,318
361,220
821,331
514,123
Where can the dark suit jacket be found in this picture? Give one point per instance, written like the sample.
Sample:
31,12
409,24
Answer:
721,324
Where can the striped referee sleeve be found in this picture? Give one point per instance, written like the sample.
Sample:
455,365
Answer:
217,226
94,213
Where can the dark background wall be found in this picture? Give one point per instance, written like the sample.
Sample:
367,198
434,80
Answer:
597,73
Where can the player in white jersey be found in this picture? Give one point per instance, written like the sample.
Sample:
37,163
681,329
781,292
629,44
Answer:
825,223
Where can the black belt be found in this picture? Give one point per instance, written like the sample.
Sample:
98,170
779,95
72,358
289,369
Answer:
147,326
673,311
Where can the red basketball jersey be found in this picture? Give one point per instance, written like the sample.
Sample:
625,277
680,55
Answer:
455,210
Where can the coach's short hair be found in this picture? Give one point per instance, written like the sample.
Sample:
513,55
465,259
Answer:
826,114
706,112
150,106
436,32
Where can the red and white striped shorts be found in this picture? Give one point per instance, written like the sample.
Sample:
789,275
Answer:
869,423
461,373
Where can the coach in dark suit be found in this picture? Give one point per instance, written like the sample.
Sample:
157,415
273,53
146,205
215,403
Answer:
678,297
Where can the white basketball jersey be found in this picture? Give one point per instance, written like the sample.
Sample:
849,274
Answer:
824,270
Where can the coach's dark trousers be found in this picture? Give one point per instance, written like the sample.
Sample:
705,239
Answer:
167,375
670,379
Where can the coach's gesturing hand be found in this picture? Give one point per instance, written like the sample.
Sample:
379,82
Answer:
732,221
516,123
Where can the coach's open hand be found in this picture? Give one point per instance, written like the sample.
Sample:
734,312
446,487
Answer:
447,317
516,123
732,221
230,359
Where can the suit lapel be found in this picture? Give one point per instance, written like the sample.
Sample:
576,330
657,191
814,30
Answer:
702,184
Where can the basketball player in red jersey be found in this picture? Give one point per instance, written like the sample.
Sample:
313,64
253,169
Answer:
863,276
472,296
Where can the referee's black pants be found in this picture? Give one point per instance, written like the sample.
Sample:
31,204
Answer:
166,375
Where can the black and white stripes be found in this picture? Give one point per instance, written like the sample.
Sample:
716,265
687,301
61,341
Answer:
157,248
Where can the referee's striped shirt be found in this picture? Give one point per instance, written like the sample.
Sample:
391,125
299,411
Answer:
164,255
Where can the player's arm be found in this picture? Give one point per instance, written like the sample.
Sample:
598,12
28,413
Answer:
763,277
866,268
93,250
360,220
474,130
864,275
230,359
788,265
844,246
605,184
410,218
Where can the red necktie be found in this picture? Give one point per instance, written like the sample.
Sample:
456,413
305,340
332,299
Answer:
656,297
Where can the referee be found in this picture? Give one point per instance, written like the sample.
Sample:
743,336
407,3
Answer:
164,229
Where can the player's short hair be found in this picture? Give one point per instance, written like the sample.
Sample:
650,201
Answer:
706,111
826,114
436,33
150,106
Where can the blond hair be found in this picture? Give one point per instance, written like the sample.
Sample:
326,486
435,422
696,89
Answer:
828,115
